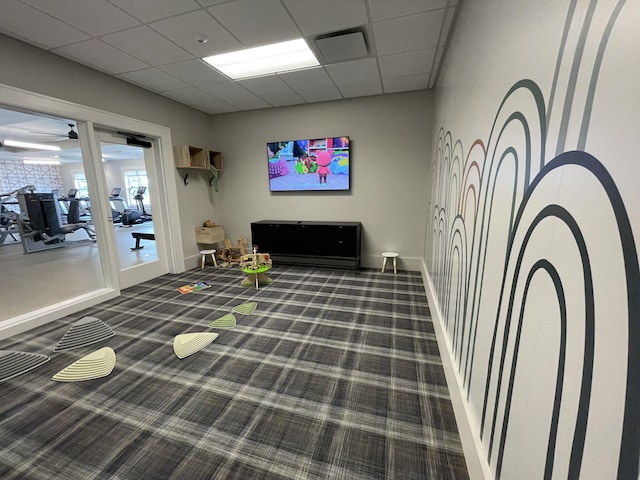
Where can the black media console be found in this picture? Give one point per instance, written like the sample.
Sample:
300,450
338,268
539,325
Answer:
318,244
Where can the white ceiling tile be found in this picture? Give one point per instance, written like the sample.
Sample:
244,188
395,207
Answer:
265,85
208,3
195,72
234,94
28,24
403,64
101,56
184,28
226,91
282,99
315,17
362,89
256,23
384,9
364,70
147,45
154,79
95,17
249,103
200,100
151,10
321,94
405,84
406,34
307,79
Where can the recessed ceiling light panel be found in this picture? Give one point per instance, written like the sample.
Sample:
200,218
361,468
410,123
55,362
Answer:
41,162
28,145
265,60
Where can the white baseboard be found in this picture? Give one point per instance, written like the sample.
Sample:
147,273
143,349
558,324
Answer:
469,435
22,323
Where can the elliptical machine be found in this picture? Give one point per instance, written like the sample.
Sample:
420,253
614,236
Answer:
139,215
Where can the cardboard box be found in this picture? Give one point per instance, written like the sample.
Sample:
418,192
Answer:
210,235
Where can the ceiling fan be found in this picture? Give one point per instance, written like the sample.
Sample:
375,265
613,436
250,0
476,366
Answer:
70,135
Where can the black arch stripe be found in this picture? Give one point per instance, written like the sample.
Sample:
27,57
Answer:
553,429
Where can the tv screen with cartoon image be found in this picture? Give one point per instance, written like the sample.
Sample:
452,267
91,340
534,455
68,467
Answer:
315,164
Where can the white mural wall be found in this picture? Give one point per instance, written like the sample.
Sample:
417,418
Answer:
531,232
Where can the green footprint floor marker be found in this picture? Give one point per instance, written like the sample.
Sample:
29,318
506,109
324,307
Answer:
226,321
245,308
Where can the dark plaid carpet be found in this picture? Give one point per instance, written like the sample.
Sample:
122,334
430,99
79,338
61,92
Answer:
334,376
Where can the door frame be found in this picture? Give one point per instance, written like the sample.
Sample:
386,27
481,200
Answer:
167,201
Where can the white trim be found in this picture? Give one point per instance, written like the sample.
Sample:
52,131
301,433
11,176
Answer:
469,436
44,315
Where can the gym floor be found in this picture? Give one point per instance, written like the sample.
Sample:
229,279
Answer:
32,281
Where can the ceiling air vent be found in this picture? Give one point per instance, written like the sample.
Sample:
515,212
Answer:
342,46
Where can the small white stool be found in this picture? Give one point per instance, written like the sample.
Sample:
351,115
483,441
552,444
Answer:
204,254
393,255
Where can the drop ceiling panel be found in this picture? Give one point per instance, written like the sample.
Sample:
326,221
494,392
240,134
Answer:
316,17
265,85
26,23
194,72
307,79
154,79
101,56
95,17
321,94
384,9
364,70
403,64
282,99
234,94
184,28
361,89
256,23
151,10
147,45
404,84
201,100
415,32
208,3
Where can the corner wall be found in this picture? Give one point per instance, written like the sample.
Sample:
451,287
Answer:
530,248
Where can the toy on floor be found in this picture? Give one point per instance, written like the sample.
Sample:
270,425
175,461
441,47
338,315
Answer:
233,254
254,265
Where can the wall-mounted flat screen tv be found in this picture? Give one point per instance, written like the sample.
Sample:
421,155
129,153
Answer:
314,164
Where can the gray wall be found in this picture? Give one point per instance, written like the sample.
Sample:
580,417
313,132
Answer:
389,176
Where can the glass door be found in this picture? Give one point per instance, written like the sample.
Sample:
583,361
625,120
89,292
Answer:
49,253
130,180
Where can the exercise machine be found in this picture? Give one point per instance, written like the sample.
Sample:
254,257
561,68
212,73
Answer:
139,215
41,226
118,204
9,218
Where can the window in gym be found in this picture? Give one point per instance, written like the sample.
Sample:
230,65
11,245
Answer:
80,182
132,180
